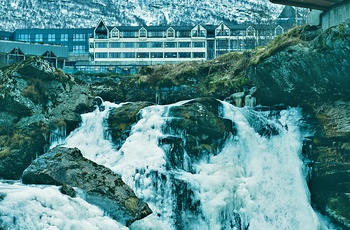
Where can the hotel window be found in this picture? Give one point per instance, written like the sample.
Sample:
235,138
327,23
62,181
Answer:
102,55
222,44
101,44
24,37
142,55
250,31
129,34
38,37
170,44
279,30
184,55
241,32
64,37
157,55
156,34
222,31
184,34
101,31
199,55
170,55
115,33
198,44
115,55
129,44
184,44
234,45
79,49
142,33
170,33
78,37
142,44
51,37
115,44
156,44
198,32
129,55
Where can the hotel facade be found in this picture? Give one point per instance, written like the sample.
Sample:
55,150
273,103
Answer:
122,48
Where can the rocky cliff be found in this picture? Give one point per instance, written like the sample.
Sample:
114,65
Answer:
306,67
35,99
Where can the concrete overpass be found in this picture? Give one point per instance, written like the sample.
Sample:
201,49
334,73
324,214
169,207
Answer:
326,13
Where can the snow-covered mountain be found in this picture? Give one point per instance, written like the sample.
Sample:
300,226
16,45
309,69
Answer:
86,13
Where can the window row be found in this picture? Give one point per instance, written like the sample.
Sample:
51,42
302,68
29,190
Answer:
51,37
150,55
148,44
250,31
142,33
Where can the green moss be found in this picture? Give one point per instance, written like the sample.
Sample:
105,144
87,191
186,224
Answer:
31,93
5,152
131,204
36,91
340,204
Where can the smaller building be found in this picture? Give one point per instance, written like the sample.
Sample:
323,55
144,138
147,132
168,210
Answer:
76,39
13,51
4,35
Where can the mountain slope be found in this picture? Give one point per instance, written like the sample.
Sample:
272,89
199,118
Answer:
81,13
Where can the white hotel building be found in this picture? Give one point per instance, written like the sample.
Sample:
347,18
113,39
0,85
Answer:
123,49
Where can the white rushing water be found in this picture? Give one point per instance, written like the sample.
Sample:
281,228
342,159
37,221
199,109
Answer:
44,207
254,182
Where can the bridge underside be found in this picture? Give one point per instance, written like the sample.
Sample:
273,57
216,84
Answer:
311,4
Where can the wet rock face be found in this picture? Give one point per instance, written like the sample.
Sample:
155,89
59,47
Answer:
120,121
330,182
64,166
197,128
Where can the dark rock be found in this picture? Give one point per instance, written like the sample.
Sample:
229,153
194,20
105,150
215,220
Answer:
103,187
330,161
315,70
36,67
120,120
67,190
197,128
19,147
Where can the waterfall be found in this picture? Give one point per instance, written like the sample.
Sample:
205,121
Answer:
257,180
58,135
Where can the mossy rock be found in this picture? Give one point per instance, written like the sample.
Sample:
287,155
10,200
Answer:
121,119
198,122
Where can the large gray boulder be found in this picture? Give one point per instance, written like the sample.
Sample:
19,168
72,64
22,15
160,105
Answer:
104,188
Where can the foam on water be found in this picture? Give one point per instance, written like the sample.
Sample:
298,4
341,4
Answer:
44,207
